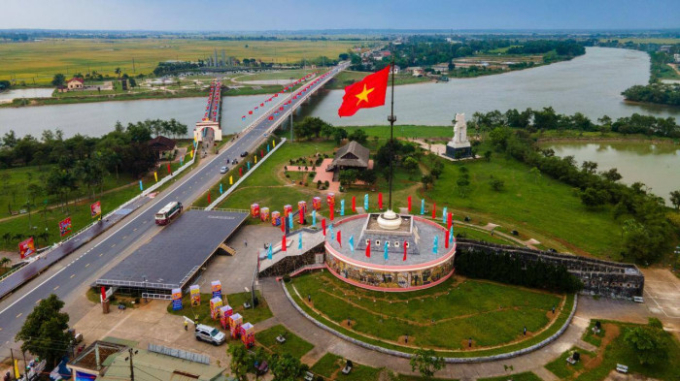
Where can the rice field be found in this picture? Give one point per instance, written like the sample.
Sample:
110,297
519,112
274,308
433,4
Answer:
35,63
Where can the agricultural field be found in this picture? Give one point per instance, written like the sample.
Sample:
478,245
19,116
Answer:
27,61
491,314
348,77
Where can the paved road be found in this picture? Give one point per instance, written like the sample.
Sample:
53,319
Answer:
90,260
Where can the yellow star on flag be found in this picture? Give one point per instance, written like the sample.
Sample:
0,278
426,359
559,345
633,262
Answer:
363,96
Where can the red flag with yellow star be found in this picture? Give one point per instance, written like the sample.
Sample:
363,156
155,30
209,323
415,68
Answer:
367,93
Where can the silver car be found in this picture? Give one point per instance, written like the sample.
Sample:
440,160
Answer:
210,335
224,169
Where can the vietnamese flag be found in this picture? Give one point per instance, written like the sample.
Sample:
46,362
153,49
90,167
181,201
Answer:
367,93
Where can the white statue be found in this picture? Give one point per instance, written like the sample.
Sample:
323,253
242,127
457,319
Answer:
460,130
459,146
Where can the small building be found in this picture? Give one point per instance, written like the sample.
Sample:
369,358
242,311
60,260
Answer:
441,68
676,57
162,146
75,83
93,361
416,71
397,69
350,156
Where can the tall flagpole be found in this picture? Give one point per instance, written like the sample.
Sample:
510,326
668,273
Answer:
392,118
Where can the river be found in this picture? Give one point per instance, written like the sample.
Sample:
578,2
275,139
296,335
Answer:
652,164
591,84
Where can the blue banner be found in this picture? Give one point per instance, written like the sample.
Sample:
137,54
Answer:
342,207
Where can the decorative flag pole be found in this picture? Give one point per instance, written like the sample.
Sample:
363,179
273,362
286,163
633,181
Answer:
366,202
434,210
444,215
300,241
449,220
313,218
386,254
435,245
231,180
323,225
368,249
220,188
351,243
332,210
141,186
155,176
339,238
409,204
354,204
342,207
422,207
283,243
269,252
380,206
446,241
405,249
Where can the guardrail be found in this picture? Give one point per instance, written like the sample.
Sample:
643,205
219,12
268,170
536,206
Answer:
245,176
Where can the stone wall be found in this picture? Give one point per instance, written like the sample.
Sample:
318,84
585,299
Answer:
599,277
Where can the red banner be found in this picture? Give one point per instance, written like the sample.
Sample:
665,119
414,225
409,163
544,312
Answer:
96,209
26,248
65,227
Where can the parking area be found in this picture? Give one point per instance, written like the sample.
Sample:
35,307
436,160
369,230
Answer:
663,296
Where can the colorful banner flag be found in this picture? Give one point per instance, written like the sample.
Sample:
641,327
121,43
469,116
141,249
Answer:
248,163
351,243
65,227
444,215
300,241
449,220
323,225
354,204
330,230
26,248
231,180
446,241
290,221
386,251
169,169
267,148
283,243
405,249
269,252
409,204
155,176
435,245
368,249
220,188
141,186
380,204
313,218
342,207
434,210
96,209
274,143
422,207
208,196
451,235
340,238
366,202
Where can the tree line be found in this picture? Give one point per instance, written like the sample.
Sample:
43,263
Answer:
82,162
666,94
548,119
647,231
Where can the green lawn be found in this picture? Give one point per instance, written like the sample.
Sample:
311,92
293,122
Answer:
619,352
590,337
251,315
526,376
491,314
331,364
294,345
549,209
562,369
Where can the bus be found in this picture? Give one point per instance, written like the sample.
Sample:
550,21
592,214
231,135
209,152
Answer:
168,213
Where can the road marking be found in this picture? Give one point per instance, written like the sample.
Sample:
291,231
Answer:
87,265
38,301
124,236
101,254
114,245
18,316
134,230
56,288
71,277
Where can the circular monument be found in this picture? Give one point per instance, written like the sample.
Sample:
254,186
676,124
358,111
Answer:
390,252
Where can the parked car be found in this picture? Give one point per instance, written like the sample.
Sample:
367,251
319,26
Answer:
224,169
244,153
210,334
234,162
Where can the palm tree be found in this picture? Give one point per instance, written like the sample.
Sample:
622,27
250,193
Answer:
19,236
4,262
44,236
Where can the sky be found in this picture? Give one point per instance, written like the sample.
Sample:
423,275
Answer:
261,15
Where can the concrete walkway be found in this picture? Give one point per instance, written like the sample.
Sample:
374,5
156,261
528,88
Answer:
327,342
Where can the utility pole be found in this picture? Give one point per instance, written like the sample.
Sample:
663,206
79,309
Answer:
11,352
132,368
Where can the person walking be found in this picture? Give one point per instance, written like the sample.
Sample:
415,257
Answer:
186,325
245,243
